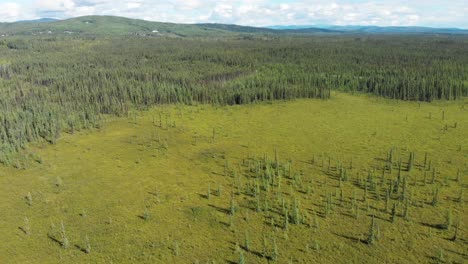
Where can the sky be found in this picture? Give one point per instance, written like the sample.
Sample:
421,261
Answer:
434,13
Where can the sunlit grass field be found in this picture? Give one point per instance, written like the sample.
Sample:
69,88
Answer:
304,181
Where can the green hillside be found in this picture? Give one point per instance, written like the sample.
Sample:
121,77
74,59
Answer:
107,25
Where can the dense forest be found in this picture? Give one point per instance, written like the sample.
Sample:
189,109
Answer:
49,85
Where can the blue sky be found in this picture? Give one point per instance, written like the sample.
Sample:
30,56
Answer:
435,13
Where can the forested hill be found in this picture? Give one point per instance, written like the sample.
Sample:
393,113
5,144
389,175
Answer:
121,26
107,26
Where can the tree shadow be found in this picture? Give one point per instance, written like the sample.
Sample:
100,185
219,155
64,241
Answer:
306,162
23,230
381,218
318,213
331,175
219,209
381,159
434,259
204,196
251,251
436,226
54,239
348,214
276,224
354,239
154,193
256,253
462,254
143,217
80,248
454,199
218,174
225,224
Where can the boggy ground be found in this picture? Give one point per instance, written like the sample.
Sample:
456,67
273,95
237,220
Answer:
284,181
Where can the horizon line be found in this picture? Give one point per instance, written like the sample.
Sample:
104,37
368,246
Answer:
312,25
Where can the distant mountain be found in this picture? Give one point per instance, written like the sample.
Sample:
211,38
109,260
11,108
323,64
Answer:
247,29
236,28
375,29
309,30
293,27
40,20
410,30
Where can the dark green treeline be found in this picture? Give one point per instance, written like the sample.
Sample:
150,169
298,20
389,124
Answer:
51,85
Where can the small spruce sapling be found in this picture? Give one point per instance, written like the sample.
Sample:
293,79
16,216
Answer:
394,213
460,196
27,227
371,238
406,211
65,242
231,220
316,245
410,161
87,248
434,175
457,226
241,258
146,215
58,181
435,197
387,199
265,247
247,241
448,220
176,249
440,257
232,206
275,253
29,199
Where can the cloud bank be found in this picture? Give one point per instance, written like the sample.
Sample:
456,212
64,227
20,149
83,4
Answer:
434,13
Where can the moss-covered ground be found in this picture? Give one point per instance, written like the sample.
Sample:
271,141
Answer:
181,184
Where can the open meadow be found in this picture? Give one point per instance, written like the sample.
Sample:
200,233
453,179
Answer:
350,179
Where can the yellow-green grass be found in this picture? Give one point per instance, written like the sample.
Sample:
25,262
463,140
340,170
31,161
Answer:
100,183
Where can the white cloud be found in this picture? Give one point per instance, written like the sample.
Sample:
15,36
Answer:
55,5
12,12
254,12
188,4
